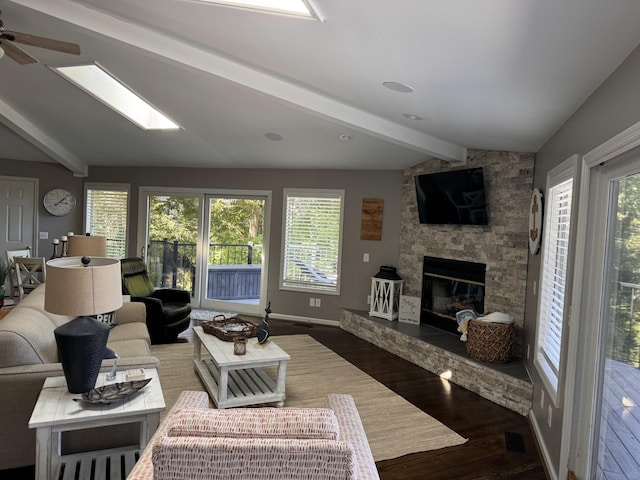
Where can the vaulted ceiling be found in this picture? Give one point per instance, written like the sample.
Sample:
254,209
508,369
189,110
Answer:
489,74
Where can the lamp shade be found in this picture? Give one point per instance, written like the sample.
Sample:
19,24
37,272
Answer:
75,289
87,245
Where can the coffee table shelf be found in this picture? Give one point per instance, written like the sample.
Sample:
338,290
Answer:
240,380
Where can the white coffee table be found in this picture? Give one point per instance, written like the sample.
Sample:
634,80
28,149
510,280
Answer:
56,412
236,380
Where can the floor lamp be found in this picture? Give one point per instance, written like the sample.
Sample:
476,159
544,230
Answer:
86,287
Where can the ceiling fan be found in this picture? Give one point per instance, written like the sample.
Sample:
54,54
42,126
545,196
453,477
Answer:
20,56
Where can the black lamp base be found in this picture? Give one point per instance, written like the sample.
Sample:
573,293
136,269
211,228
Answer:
81,345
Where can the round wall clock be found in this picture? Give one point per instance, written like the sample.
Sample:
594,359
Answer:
59,202
535,221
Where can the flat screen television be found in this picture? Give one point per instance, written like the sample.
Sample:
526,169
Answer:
453,197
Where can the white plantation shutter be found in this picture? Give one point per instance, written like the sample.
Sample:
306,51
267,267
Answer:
553,282
312,233
106,209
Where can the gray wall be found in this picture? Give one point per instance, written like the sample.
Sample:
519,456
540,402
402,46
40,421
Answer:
356,275
612,108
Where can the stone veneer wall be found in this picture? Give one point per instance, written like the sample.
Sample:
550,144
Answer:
502,245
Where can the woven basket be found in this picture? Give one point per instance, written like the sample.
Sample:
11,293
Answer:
489,342
228,329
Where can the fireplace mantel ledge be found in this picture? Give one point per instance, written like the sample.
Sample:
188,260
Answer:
438,351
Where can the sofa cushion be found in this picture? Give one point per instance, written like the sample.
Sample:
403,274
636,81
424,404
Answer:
130,348
129,331
215,458
318,423
26,338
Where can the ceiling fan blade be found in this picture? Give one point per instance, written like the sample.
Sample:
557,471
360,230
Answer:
17,54
43,42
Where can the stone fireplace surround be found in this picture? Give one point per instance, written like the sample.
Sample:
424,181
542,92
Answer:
502,246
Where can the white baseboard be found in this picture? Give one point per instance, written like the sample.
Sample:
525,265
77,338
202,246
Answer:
551,470
307,320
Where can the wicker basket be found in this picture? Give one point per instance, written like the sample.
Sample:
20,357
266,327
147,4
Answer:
489,342
228,329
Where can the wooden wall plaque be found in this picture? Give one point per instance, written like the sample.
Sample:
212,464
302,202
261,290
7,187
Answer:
371,223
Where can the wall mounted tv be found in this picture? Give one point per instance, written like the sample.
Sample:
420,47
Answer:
453,197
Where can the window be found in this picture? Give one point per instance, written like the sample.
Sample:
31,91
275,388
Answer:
312,232
553,276
96,81
106,208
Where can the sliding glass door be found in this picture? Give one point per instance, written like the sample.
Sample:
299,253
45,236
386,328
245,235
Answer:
209,243
232,277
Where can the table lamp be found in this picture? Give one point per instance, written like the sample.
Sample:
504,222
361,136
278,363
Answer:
87,245
87,287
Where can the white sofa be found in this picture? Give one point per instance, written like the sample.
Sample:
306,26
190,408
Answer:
195,442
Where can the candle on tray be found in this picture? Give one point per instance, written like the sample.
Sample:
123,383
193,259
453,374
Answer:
63,238
55,241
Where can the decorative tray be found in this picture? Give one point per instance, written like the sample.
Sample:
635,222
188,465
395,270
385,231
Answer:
229,328
113,392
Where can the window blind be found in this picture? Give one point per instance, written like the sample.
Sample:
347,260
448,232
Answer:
312,240
106,215
553,280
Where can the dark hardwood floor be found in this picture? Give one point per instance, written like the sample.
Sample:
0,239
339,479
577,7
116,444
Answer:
501,444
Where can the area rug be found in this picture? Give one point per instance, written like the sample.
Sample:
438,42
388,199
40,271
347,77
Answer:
394,426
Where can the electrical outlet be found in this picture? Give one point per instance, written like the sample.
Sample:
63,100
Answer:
44,235
549,414
365,257
317,302
312,302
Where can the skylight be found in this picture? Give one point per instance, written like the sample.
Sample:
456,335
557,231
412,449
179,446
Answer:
97,82
300,8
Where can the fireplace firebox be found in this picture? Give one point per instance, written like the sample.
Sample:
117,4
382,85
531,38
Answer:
449,286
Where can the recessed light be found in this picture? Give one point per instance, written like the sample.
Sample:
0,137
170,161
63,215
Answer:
398,87
276,137
411,116
346,137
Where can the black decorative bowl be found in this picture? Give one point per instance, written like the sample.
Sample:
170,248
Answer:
113,392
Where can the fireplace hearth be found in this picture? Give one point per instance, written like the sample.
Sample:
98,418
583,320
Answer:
449,286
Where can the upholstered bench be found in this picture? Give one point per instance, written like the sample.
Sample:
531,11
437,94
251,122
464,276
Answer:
194,442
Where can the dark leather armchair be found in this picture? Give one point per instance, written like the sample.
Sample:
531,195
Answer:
168,309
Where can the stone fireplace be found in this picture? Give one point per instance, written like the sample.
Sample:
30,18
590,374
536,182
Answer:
502,245
492,265
449,286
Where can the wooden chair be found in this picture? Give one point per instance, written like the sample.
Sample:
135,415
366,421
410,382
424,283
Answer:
31,272
13,277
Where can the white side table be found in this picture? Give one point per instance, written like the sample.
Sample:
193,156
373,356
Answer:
56,412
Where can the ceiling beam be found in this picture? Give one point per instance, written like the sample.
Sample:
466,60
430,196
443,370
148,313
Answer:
23,127
206,61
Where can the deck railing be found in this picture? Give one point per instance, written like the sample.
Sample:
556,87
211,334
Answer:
173,264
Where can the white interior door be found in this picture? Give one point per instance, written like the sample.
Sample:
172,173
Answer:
17,204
